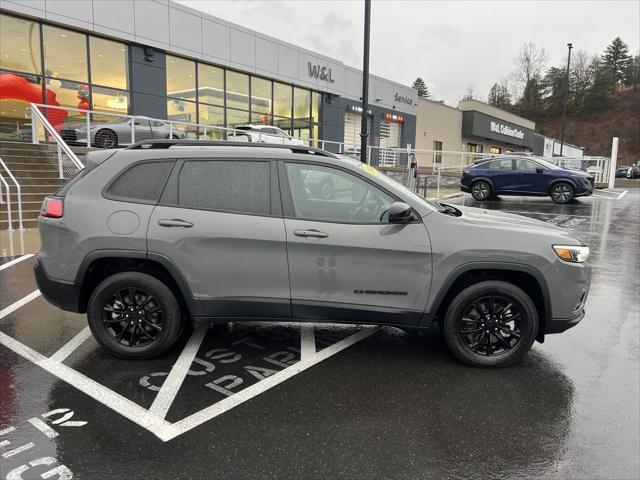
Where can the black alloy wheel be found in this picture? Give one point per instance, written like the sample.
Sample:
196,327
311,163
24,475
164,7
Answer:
133,317
491,325
481,190
562,193
106,139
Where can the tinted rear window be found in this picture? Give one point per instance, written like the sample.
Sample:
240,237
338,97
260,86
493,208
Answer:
142,182
232,186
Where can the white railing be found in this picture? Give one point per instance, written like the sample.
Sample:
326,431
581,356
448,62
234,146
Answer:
18,195
68,162
7,201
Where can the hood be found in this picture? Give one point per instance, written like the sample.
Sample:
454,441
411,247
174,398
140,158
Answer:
579,173
508,221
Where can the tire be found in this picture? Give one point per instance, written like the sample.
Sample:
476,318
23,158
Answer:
111,308
481,190
562,192
484,348
326,189
106,139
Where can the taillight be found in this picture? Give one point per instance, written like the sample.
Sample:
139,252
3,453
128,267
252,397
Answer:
52,207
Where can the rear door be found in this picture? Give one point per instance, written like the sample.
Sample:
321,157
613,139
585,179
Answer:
346,262
502,174
220,222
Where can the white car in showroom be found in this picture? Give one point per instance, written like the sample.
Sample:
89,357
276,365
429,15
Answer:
263,134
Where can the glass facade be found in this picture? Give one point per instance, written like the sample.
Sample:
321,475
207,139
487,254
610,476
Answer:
55,66
221,97
46,64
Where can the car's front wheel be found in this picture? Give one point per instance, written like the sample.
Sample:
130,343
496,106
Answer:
481,190
134,315
491,324
562,192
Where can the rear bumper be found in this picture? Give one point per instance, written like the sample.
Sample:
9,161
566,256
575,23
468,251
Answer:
559,325
64,295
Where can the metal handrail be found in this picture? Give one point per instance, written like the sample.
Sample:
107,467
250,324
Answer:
18,193
6,186
52,131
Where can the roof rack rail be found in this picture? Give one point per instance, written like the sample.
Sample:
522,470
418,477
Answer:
166,143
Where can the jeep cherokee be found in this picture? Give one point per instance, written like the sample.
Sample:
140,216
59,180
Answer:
163,231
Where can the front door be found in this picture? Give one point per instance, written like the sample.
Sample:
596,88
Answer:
529,179
346,263
220,223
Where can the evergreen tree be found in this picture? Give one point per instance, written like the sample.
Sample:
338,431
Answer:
616,59
632,74
499,95
421,87
554,84
530,104
604,85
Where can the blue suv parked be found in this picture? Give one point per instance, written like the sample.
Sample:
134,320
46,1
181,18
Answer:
489,178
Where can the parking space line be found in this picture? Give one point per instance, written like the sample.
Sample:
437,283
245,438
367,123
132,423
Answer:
21,349
525,213
20,303
242,396
15,260
307,341
618,196
71,345
173,382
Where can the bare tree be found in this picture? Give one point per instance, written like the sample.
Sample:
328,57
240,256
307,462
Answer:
530,63
469,93
582,72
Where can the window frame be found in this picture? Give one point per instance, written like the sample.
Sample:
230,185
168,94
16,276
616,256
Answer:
119,198
287,198
169,197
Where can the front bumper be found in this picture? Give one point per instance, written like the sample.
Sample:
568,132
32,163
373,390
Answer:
64,295
559,325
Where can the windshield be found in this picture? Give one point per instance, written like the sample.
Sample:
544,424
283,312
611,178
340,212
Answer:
389,181
547,164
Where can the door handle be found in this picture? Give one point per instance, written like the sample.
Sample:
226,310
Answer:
310,233
174,222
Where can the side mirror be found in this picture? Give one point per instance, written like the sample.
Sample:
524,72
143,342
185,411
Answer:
400,212
539,170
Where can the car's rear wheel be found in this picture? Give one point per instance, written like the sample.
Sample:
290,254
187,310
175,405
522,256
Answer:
134,315
481,190
106,139
491,324
562,192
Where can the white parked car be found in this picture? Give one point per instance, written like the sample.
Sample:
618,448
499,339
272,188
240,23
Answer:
263,134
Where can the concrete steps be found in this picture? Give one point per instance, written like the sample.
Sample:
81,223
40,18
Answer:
35,167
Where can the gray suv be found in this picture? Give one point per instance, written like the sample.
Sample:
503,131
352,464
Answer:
150,236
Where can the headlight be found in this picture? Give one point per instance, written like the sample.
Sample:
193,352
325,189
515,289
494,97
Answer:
572,253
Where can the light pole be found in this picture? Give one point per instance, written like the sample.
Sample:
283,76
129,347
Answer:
364,134
564,103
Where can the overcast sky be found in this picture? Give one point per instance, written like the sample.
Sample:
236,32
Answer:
451,44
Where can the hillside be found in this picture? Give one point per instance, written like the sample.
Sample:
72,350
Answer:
594,130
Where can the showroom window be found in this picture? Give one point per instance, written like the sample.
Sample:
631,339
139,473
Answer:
65,54
437,153
282,105
495,150
210,84
19,45
261,101
237,92
228,186
181,90
108,63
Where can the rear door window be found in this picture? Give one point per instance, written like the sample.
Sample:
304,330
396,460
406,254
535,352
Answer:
504,164
143,182
226,185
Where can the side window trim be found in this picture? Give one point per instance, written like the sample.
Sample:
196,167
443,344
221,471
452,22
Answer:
287,199
119,198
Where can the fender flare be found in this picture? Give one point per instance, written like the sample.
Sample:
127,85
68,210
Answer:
428,317
175,273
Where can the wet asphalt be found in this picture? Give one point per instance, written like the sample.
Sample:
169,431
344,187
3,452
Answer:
394,405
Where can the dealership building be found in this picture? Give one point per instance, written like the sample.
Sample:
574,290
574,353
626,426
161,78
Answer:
478,129
164,60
